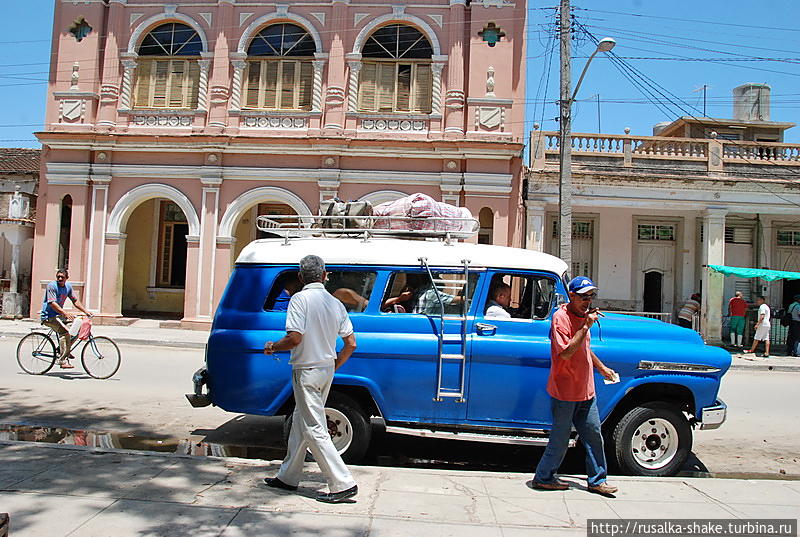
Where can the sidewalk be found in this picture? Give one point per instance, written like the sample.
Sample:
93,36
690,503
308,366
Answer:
55,491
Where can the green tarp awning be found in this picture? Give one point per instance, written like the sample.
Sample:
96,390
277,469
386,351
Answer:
764,274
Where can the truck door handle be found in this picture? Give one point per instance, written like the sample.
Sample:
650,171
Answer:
485,329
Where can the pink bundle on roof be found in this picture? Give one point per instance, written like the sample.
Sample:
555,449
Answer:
422,207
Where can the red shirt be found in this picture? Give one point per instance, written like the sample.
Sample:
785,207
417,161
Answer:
737,307
570,379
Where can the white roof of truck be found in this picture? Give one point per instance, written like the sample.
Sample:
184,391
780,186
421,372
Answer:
388,251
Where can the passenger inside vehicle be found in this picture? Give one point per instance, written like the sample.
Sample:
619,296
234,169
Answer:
499,301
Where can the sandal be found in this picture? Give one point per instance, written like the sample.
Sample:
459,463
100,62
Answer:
66,365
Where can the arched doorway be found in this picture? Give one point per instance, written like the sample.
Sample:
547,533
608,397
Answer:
154,269
652,295
245,230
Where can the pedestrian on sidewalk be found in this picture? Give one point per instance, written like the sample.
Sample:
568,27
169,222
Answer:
54,316
762,327
689,309
737,307
793,335
314,319
572,394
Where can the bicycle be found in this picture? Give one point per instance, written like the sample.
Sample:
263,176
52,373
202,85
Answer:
37,353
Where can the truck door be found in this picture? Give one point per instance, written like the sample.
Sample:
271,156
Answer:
406,363
510,354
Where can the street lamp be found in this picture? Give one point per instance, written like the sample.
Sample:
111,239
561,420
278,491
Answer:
565,135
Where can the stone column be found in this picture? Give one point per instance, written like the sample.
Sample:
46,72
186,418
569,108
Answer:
125,94
316,92
206,273
713,282
334,118
454,101
190,296
98,211
239,65
534,225
113,267
354,63
110,86
202,89
436,87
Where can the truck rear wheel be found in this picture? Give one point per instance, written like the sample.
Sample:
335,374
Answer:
652,439
348,426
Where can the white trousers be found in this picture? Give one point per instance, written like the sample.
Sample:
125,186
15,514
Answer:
310,430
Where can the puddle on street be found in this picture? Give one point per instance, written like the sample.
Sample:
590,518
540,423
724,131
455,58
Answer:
387,451
106,440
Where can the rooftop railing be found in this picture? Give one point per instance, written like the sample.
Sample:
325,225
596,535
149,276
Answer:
709,154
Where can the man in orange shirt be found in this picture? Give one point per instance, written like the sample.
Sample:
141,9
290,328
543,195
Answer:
571,388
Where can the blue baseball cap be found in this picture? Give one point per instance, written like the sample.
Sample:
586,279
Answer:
581,285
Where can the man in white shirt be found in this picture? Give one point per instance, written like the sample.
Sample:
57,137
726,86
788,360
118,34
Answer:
762,327
314,319
499,300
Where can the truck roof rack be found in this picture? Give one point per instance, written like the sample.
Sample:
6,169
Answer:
298,226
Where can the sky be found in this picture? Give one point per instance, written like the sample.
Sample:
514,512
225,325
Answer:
671,49
674,48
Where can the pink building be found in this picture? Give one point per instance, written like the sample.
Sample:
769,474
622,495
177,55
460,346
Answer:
171,127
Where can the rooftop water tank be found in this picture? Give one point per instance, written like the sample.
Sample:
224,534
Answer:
659,127
751,102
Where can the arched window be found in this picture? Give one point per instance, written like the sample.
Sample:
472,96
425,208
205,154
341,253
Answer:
167,72
486,233
396,71
280,70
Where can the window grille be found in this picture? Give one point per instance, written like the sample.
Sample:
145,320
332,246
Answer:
580,229
655,232
789,237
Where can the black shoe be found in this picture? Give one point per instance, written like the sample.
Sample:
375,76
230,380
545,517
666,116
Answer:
337,497
276,483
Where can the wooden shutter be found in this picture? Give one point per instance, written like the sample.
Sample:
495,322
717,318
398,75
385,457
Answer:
386,86
160,81
143,83
288,71
403,87
367,87
253,78
423,87
177,84
166,254
193,80
306,85
269,77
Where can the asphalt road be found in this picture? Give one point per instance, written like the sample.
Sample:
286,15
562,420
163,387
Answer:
146,399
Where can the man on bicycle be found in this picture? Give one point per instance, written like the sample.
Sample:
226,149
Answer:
54,316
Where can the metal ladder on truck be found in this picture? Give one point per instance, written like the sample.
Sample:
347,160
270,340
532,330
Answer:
444,338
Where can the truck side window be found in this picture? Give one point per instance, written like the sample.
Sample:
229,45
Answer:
518,296
413,292
351,287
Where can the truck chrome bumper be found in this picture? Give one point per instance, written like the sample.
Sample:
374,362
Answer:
198,398
711,417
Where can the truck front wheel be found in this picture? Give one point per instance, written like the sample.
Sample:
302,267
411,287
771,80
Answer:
652,439
348,426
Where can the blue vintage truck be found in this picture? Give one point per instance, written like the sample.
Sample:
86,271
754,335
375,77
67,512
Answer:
443,368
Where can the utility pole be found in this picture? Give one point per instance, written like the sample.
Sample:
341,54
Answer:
565,140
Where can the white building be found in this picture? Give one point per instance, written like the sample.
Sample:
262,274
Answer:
650,211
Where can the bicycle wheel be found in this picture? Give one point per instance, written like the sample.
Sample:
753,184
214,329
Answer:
100,357
36,353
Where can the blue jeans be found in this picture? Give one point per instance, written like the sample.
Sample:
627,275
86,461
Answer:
586,418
